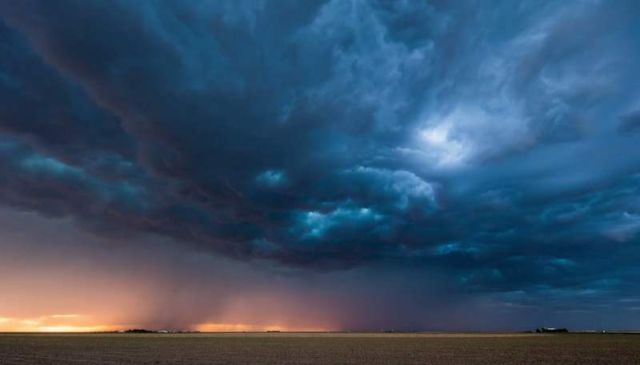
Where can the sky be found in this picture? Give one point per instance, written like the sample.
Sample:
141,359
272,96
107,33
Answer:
319,165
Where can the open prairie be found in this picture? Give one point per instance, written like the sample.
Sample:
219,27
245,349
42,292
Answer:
318,348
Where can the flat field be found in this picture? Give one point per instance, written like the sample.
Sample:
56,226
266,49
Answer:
318,348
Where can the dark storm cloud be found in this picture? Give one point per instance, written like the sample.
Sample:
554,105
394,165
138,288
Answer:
630,122
491,142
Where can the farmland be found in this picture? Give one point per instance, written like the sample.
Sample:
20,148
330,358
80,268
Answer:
318,348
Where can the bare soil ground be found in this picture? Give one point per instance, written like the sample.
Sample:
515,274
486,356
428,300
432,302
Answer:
318,348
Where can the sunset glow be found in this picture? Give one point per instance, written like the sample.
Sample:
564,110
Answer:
54,323
81,323
77,323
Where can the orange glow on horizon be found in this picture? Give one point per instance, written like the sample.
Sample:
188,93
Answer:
53,323
81,323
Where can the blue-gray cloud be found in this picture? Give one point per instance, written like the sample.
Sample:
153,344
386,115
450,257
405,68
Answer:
495,143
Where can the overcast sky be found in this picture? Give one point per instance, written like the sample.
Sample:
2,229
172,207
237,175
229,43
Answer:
320,164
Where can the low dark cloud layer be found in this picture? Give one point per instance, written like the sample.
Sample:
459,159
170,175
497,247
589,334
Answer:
493,145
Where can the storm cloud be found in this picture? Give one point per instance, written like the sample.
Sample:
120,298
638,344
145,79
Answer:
493,146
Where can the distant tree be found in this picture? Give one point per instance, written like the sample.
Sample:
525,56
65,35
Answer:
138,330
